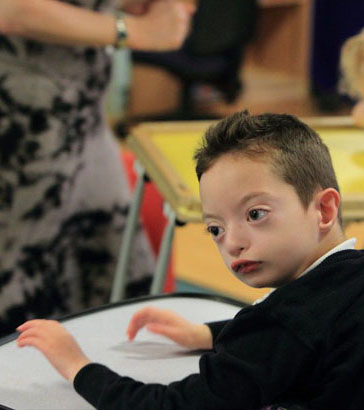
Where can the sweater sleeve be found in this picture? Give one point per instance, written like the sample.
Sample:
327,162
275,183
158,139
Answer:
216,327
106,390
255,362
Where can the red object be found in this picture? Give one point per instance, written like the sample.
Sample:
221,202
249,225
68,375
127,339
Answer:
152,216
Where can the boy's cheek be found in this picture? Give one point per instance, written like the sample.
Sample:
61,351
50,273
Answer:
226,259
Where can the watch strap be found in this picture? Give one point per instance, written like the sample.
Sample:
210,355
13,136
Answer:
121,31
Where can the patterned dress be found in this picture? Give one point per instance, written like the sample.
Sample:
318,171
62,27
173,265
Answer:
63,192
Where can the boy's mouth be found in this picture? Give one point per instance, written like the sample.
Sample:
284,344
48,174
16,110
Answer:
244,266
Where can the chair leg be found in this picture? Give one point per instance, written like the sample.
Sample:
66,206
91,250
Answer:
121,273
160,273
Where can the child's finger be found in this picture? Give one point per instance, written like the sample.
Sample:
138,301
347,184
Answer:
142,318
31,323
33,338
29,341
138,321
35,333
161,329
170,332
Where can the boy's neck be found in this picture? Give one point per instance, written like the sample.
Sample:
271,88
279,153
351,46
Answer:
350,243
329,241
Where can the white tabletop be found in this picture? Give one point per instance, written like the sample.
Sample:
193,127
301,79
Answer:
28,382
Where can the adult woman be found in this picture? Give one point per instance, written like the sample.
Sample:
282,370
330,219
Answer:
63,194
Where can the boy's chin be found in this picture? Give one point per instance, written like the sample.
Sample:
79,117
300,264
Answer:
257,283
260,281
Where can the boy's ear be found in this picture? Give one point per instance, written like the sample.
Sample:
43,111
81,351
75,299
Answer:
327,202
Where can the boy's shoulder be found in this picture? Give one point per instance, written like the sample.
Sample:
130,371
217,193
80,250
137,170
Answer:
315,303
341,270
341,273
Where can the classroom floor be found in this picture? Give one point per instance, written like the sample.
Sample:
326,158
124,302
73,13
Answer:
198,265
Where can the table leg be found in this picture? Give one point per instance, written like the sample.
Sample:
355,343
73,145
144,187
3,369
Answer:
121,273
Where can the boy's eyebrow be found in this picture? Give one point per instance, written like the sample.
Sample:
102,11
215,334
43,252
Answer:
208,216
252,195
246,198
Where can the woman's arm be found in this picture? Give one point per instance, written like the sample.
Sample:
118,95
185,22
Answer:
56,22
164,25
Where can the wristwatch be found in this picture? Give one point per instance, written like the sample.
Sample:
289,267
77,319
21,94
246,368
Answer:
121,32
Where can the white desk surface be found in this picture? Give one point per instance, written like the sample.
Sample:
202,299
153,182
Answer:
28,382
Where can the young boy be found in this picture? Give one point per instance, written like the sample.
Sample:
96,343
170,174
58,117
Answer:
271,203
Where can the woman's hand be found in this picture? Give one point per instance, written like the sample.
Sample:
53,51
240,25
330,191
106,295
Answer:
57,345
163,27
171,325
140,7
9,10
136,7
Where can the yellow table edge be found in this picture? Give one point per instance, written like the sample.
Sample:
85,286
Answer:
175,191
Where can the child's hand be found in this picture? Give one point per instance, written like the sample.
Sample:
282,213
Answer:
169,324
57,345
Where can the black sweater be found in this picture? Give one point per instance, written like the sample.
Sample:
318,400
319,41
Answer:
304,343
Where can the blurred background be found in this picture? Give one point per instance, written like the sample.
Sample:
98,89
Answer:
255,54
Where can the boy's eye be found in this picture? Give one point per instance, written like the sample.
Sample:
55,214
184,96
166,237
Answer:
213,230
257,214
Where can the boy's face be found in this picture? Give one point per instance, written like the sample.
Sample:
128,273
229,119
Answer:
263,232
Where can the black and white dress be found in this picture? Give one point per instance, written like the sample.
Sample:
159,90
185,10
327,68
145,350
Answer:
63,192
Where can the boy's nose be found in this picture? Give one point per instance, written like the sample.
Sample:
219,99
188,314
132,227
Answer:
236,242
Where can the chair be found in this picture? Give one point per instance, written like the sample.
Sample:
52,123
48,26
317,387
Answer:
152,216
212,54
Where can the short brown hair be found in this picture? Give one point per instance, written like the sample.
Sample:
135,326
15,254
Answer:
296,151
